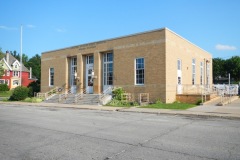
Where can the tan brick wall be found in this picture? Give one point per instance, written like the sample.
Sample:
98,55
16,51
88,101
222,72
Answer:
160,50
179,48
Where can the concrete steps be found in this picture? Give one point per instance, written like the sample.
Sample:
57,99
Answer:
87,99
53,99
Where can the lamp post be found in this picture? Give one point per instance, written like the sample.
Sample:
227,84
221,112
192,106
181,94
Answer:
20,83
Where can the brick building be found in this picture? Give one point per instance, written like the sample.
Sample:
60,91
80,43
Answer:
158,62
12,72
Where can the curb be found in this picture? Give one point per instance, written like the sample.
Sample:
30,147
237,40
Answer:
206,115
121,109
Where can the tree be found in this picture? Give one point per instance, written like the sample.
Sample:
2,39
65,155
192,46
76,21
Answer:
1,68
1,54
34,87
35,63
17,56
218,68
232,66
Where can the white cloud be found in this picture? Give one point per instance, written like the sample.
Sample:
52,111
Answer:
30,26
60,30
225,47
7,28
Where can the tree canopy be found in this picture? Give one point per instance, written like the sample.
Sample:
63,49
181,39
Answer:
221,68
1,68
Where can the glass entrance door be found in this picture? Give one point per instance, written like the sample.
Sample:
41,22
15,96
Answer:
107,70
73,82
89,74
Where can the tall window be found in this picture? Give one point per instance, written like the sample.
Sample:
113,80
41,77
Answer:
179,65
108,69
179,71
193,71
201,73
208,73
51,76
139,71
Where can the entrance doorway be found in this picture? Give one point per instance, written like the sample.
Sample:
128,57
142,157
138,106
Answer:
89,74
73,82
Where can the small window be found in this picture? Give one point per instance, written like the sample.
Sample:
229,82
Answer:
51,77
2,81
89,59
8,73
139,73
16,73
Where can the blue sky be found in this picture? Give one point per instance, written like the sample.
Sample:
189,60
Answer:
213,25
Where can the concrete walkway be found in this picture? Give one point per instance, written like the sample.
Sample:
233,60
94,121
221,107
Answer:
231,110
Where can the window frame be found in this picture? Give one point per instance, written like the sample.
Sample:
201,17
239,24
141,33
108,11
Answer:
16,73
201,73
108,69
51,76
136,69
2,80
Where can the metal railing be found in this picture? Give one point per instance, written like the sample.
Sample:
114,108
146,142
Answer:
49,94
105,93
226,92
196,89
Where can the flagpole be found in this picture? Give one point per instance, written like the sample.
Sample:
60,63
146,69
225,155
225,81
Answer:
20,83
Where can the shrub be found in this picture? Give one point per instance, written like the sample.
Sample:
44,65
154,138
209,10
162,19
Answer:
158,101
34,87
4,87
19,93
117,93
199,102
33,100
118,103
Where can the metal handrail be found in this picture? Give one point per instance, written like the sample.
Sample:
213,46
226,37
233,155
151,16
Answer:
105,93
48,94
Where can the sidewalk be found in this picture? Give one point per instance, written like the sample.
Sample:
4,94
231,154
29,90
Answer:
231,111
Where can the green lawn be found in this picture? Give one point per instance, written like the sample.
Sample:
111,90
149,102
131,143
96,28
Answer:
179,106
5,93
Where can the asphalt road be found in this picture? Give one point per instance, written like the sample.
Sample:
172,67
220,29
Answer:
38,133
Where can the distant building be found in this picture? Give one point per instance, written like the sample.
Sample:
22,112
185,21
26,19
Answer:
159,62
12,68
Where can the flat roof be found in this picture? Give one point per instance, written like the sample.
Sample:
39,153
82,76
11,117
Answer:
110,39
130,35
